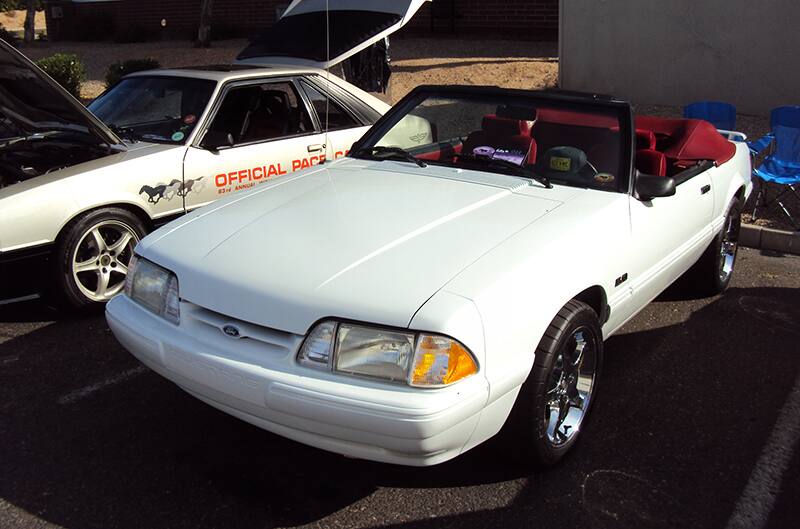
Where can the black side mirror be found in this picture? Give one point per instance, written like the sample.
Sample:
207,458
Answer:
650,186
214,140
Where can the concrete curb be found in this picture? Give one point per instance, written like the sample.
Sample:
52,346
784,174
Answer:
761,238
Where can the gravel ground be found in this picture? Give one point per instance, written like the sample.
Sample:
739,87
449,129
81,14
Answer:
508,63
448,61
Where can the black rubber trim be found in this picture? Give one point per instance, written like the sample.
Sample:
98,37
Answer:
22,272
691,172
161,221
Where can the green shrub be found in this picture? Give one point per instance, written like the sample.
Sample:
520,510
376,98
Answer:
66,69
9,36
118,70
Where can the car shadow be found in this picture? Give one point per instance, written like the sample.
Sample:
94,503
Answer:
135,451
40,310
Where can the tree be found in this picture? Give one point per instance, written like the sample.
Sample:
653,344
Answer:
30,21
204,33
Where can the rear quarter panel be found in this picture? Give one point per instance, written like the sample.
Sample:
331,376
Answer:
728,179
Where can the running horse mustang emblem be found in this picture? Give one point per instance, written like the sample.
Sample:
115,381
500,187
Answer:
154,194
169,191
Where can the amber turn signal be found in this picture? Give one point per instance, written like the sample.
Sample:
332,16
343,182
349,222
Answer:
440,361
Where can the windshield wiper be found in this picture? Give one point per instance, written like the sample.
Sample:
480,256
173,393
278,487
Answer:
519,170
386,153
125,133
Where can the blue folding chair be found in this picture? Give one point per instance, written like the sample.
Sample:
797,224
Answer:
781,166
721,115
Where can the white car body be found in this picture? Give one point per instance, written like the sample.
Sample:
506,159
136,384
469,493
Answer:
62,195
158,182
482,257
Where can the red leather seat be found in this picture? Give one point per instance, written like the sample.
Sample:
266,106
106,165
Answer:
503,133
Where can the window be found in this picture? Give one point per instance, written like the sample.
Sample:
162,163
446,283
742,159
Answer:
331,115
261,112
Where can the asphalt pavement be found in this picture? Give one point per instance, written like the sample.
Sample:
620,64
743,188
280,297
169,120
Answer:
696,424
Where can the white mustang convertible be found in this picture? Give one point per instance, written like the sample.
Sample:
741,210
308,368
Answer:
461,267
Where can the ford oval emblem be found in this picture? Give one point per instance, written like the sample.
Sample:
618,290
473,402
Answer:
231,331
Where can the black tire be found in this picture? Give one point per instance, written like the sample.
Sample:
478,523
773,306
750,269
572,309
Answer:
712,273
74,245
527,430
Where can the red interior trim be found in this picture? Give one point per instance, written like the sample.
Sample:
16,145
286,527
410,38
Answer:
578,119
688,139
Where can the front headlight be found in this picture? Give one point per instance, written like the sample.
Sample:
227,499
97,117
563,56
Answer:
154,288
418,359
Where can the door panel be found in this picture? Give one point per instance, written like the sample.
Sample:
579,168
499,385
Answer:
669,234
340,141
210,176
272,134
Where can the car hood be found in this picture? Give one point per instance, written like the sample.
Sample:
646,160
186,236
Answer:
32,103
368,241
299,36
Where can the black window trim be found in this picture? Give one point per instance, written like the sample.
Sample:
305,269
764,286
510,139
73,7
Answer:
690,172
238,83
345,100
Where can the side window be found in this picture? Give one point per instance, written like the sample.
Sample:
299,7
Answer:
337,117
261,112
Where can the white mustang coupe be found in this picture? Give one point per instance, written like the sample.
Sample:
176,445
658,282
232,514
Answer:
460,267
79,189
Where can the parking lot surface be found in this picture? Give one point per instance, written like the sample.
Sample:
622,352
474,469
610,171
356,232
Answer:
696,425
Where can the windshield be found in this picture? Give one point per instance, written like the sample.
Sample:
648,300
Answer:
547,138
156,109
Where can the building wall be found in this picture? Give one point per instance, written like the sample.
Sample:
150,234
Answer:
534,19
678,51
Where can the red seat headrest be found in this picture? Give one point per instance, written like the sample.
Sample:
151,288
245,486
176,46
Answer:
650,161
645,139
505,126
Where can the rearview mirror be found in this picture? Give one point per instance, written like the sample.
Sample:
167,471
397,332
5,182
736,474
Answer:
214,140
650,186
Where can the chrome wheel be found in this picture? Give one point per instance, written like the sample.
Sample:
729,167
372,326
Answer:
101,258
729,246
571,382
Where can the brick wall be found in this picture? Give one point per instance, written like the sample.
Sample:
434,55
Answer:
535,19
522,18
184,15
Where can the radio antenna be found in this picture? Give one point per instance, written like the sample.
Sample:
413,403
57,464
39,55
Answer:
327,72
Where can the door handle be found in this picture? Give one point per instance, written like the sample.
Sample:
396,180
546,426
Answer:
316,147
705,189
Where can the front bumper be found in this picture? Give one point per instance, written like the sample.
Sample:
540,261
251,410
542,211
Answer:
256,379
